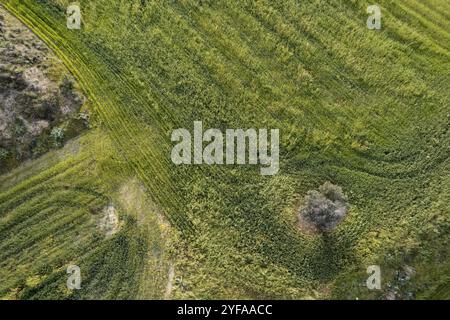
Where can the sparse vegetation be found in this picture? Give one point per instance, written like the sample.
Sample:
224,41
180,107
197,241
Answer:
36,95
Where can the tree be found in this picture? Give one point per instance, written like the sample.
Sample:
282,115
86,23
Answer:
3,154
324,209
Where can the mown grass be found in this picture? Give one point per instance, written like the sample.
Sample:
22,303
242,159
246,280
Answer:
367,110
51,221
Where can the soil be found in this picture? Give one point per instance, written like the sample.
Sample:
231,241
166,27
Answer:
109,221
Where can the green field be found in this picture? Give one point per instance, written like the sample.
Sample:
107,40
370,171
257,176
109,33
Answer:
367,110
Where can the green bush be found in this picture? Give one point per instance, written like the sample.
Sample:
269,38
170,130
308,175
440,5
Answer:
66,86
3,154
19,128
58,136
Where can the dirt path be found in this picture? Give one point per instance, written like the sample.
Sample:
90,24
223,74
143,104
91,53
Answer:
169,282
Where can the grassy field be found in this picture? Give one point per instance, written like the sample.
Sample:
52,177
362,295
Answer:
367,110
